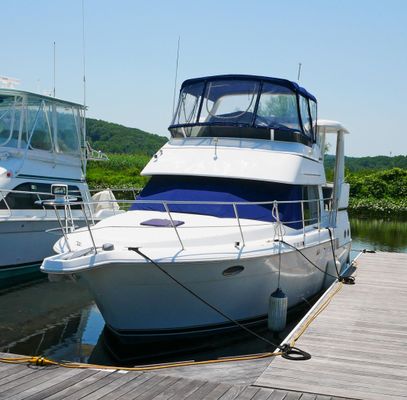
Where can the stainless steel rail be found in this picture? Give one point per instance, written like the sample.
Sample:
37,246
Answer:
313,220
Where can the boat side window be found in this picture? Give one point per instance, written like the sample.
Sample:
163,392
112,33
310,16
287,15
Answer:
313,110
311,204
10,112
305,116
38,128
68,130
187,110
33,191
277,108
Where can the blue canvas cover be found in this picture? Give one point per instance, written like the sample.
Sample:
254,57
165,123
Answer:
190,188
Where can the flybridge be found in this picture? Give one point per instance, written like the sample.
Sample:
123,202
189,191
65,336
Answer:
245,106
32,122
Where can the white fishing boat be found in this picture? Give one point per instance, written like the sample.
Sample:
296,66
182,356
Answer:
42,142
237,206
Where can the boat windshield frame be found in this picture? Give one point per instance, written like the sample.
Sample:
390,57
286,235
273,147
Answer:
297,109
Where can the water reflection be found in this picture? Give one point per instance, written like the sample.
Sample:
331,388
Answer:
382,235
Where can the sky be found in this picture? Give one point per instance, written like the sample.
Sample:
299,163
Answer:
353,55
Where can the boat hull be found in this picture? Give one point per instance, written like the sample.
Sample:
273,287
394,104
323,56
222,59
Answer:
23,246
139,301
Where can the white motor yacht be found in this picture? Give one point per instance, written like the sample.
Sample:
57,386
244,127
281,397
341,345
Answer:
42,142
236,207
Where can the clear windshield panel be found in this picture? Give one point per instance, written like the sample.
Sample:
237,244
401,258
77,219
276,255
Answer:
68,132
313,109
38,132
305,116
10,116
229,102
278,108
188,105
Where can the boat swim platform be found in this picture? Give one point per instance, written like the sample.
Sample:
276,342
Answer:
358,344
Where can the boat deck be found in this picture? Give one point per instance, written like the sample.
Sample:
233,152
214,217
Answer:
358,348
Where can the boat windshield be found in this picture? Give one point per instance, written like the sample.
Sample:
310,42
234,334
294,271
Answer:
32,122
244,108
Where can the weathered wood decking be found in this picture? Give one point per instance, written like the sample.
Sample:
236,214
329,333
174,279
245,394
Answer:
359,343
358,346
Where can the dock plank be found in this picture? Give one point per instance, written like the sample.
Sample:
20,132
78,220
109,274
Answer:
131,385
40,383
158,388
84,391
122,380
23,377
248,393
77,386
206,388
181,388
55,388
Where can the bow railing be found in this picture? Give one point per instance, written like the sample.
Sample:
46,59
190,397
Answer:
314,214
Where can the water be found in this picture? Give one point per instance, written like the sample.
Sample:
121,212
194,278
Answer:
60,321
380,235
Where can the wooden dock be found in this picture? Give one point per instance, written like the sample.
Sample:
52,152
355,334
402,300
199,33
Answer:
358,346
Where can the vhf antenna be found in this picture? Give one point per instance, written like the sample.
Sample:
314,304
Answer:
54,69
83,54
84,88
176,76
299,72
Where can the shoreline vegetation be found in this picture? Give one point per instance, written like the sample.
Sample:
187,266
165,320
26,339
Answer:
378,185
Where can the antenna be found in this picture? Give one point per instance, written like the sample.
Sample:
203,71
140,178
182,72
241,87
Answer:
299,71
85,155
83,55
176,76
54,69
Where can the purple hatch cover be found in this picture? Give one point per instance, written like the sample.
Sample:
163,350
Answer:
161,222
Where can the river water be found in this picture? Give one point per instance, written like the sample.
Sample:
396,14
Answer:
60,321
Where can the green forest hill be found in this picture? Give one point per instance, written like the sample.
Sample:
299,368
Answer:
378,184
118,139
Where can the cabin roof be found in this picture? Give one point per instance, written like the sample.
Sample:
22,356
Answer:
329,126
14,92
283,82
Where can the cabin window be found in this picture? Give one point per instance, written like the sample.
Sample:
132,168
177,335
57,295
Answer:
34,191
305,116
311,204
277,108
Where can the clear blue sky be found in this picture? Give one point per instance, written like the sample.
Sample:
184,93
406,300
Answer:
353,53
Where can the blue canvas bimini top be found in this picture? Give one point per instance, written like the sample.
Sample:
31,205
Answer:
239,77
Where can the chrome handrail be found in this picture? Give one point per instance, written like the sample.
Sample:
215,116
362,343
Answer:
166,203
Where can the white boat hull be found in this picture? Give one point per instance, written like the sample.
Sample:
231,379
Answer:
137,299
25,242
